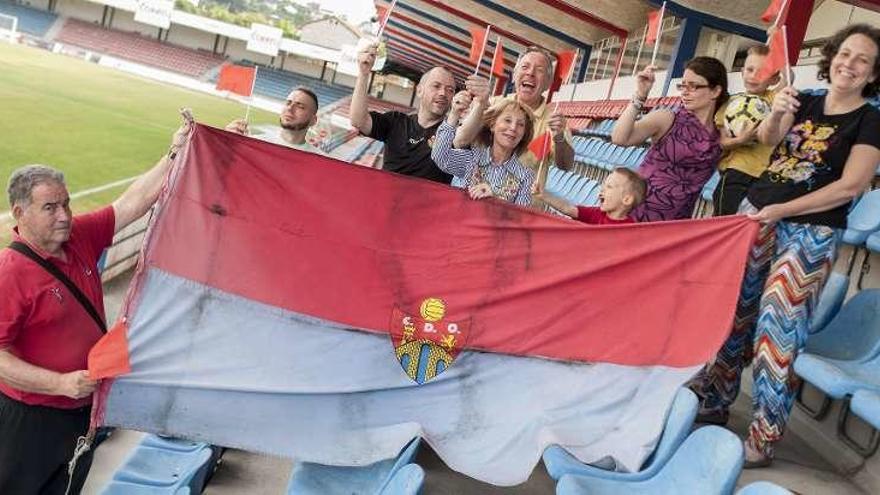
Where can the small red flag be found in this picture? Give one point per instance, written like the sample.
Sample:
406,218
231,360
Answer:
238,79
500,83
498,59
382,14
773,9
478,44
564,65
540,146
775,60
653,26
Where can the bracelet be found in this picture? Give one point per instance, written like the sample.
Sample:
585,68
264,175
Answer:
638,102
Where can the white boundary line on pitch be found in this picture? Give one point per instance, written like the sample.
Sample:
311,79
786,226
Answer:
79,194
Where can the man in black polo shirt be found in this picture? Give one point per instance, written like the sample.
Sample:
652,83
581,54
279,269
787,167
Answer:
408,138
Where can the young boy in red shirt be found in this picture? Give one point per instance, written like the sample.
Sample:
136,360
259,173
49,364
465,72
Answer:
622,191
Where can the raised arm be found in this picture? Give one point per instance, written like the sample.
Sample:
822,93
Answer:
776,125
358,113
478,87
628,131
458,162
559,204
140,196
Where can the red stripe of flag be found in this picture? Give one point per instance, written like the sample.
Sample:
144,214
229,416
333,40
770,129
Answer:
478,44
653,26
775,60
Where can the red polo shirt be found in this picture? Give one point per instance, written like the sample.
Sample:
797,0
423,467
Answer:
594,215
41,322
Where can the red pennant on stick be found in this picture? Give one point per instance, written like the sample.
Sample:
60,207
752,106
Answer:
478,43
540,146
778,9
653,26
776,59
237,79
498,59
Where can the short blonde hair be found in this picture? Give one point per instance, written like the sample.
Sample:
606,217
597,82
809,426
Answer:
636,184
490,116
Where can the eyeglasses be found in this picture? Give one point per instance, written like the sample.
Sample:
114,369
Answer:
690,87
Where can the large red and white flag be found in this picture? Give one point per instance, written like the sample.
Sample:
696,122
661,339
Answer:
293,304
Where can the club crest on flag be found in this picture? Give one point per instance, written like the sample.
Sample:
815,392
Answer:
427,344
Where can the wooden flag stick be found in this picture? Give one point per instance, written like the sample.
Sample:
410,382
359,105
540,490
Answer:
247,112
659,33
787,63
385,21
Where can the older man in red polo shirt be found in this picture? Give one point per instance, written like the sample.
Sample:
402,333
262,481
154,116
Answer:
45,331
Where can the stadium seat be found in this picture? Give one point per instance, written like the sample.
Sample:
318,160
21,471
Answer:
866,405
845,356
854,333
709,461
679,421
763,488
864,219
407,481
377,478
126,488
873,242
163,469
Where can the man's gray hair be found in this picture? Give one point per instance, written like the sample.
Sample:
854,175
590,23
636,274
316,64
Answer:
549,57
23,181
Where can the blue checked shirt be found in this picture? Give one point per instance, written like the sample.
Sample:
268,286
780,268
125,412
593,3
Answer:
510,181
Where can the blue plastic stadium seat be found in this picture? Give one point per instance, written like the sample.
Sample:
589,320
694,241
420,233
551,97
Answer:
845,355
163,469
866,405
853,333
709,461
126,488
407,481
830,300
308,478
763,488
679,421
873,242
864,219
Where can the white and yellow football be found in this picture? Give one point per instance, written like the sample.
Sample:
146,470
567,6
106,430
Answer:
743,111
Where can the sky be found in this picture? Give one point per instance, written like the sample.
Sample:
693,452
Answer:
357,11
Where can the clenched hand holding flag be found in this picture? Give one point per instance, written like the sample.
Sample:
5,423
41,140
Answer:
292,304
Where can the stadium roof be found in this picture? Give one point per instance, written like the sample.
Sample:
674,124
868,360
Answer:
424,33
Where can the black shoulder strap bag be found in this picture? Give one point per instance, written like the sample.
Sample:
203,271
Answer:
55,272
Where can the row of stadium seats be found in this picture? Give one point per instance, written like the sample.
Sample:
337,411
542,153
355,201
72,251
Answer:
137,48
165,466
842,357
276,83
30,21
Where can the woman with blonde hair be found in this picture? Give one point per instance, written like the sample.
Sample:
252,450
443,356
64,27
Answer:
491,166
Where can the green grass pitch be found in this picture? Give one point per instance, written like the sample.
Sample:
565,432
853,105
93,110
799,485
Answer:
95,124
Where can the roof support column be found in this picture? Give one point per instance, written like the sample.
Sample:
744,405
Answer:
685,47
586,51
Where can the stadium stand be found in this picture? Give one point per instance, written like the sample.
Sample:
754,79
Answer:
137,48
30,21
276,83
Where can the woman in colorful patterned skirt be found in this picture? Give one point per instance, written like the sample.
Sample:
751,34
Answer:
827,151
686,147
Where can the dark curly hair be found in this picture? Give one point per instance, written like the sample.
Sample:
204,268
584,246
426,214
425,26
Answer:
832,46
715,74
